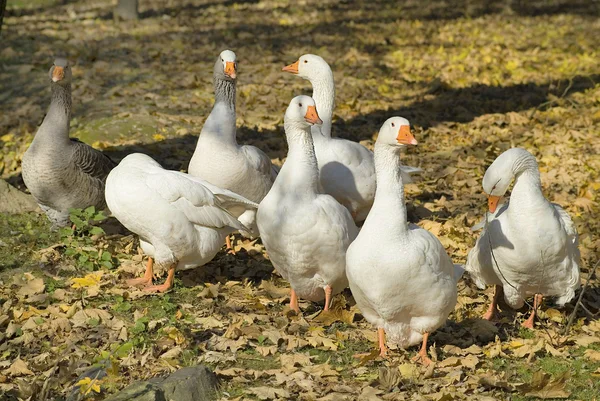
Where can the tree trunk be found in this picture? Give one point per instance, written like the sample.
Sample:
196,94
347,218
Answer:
2,10
125,9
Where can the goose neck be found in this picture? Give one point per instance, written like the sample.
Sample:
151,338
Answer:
56,122
324,96
389,195
300,170
225,92
527,191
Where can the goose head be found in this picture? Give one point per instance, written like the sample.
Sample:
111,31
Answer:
499,175
309,67
395,132
60,72
302,112
226,66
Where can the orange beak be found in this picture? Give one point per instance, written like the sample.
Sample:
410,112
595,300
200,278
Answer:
405,137
493,202
58,74
230,69
312,116
293,68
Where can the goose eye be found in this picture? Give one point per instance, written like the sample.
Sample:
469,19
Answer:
222,60
305,61
393,125
299,104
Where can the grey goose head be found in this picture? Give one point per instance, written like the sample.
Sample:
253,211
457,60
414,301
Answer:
60,72
226,66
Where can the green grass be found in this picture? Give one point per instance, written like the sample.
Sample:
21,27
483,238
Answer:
19,4
581,384
20,237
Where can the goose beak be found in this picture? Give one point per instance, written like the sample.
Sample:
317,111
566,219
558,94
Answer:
58,74
230,69
493,202
293,68
405,137
311,116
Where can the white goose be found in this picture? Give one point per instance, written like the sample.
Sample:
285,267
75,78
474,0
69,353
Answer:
347,169
182,221
306,233
400,275
534,242
219,159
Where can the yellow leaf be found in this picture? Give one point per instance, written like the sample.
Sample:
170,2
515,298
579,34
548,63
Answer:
409,371
6,138
89,280
175,334
158,137
87,385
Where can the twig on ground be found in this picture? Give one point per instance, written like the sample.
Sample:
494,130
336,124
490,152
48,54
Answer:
574,313
549,102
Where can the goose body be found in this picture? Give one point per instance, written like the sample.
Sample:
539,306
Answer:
182,221
400,275
534,242
306,233
218,158
62,172
346,168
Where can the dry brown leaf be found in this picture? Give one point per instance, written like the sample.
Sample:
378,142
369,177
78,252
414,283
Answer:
327,318
32,287
295,359
269,393
322,370
544,386
592,354
18,368
586,341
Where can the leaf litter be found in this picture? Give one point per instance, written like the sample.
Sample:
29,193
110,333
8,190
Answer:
473,83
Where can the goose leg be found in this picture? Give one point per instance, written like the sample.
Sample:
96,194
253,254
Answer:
382,348
537,301
422,355
167,284
294,301
146,280
492,311
230,249
328,292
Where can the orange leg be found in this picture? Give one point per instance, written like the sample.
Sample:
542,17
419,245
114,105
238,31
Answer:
537,301
167,284
492,311
146,280
294,301
328,292
422,355
229,247
382,347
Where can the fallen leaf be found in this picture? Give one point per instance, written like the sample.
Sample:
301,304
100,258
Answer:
32,287
327,318
89,280
269,393
544,386
18,368
409,371
592,354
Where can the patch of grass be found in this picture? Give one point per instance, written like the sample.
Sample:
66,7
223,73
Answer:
19,4
21,236
526,333
581,384
250,359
